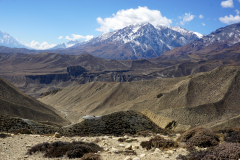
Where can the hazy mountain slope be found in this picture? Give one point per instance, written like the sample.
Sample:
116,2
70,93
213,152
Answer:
15,103
49,63
201,99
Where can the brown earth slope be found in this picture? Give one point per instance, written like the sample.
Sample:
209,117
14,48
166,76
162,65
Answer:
203,99
15,103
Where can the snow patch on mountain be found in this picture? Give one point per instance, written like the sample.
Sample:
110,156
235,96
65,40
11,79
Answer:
68,44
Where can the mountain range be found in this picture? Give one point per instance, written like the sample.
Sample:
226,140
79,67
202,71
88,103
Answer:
137,41
196,84
38,73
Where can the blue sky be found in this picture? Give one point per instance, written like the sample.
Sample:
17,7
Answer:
40,23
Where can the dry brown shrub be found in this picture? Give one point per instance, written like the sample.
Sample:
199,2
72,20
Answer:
3,135
159,142
145,133
200,137
91,156
223,151
59,149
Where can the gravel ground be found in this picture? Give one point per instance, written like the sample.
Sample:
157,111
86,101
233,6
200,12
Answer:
16,146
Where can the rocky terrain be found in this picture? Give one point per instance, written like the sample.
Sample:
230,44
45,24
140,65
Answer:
15,147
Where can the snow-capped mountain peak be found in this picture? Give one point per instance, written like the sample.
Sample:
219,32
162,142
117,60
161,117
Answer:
9,41
146,36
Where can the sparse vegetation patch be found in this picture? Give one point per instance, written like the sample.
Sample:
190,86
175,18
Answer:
200,137
159,142
59,149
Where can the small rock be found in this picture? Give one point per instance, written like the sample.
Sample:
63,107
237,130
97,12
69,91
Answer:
142,155
128,158
121,145
57,135
84,140
106,149
26,156
136,158
157,150
28,145
126,136
114,150
128,147
178,135
169,152
136,146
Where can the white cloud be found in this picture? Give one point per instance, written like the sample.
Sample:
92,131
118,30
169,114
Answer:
201,16
237,11
41,46
127,17
75,37
227,4
60,37
186,18
230,19
203,24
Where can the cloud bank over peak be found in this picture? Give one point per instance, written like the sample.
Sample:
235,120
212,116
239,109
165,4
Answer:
40,46
75,37
127,17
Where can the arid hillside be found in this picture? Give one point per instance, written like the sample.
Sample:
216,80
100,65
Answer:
205,99
14,102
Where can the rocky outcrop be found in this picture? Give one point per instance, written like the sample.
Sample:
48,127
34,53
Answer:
165,122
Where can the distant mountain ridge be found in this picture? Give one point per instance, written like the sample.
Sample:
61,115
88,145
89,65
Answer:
137,41
68,44
222,38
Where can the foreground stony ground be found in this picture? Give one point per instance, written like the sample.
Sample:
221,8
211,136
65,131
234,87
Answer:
15,147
